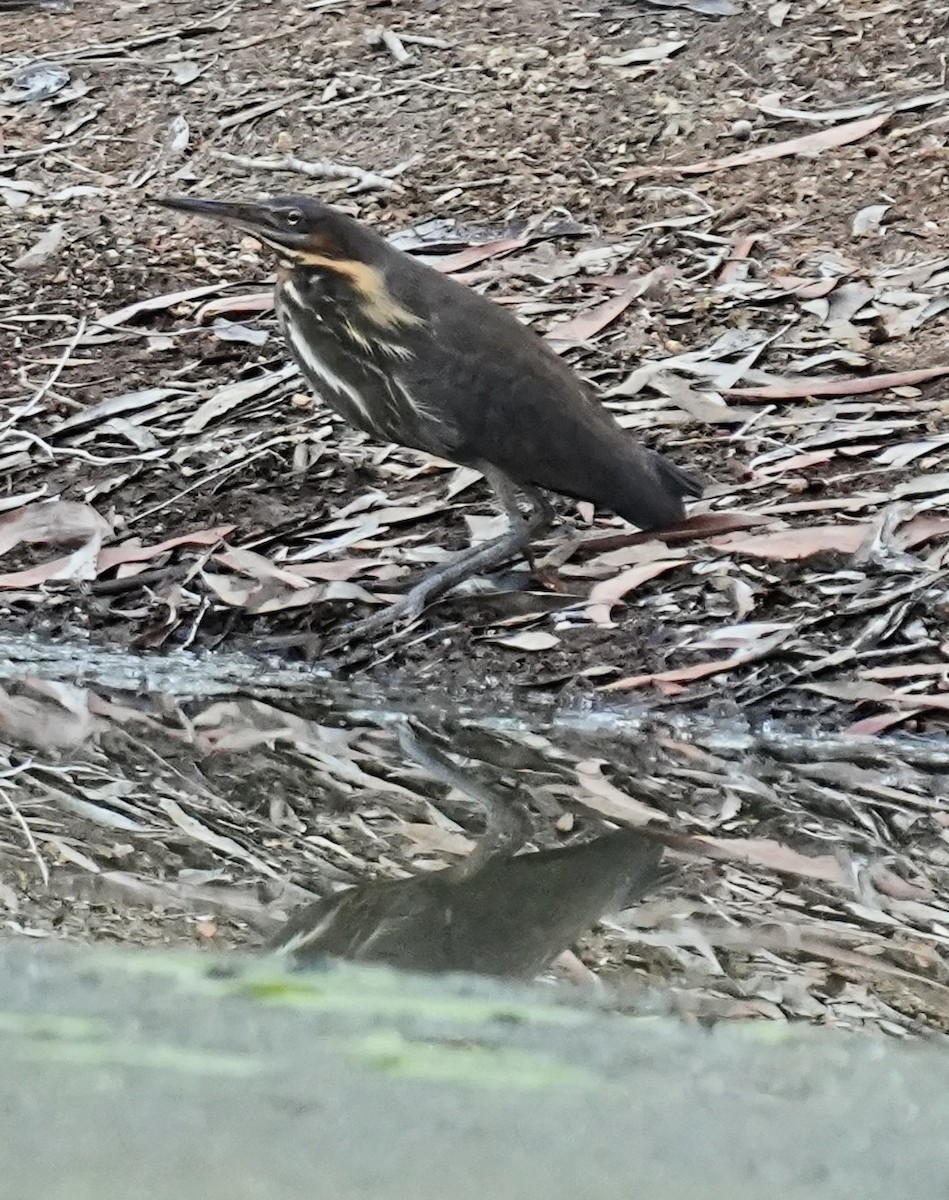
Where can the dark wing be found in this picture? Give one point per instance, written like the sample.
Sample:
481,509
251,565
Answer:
504,396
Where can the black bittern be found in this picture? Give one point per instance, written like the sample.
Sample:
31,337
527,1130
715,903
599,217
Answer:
409,355
494,913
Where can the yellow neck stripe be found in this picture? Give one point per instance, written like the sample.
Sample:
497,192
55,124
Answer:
377,302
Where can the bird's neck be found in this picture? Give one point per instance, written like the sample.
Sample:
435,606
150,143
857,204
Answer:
344,279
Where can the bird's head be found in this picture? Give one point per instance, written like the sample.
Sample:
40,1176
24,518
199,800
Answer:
299,228
310,235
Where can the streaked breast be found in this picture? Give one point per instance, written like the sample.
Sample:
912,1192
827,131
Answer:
342,369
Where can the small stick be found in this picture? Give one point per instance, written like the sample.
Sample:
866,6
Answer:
44,387
323,169
418,39
21,821
392,42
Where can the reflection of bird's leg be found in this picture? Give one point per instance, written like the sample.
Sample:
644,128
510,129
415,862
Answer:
506,823
472,561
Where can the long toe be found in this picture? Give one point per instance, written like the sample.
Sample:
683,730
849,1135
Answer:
403,613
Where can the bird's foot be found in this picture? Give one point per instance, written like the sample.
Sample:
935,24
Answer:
396,617
447,575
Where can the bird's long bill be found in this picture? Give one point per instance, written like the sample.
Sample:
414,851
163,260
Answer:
255,219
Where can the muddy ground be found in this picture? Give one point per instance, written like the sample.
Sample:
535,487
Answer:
578,161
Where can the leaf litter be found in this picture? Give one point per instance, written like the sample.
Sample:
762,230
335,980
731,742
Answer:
789,347
233,810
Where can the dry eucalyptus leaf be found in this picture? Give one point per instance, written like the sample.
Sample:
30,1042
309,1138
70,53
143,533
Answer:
53,522
604,595
809,144
234,331
41,251
641,54
530,640
771,104
588,325
868,220
609,800
122,316
798,389
184,71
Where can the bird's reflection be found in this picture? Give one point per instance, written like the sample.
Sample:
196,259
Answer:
497,913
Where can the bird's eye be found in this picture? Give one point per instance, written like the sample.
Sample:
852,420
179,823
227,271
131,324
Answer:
293,216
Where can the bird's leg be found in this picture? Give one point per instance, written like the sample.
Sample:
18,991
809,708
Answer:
469,562
506,823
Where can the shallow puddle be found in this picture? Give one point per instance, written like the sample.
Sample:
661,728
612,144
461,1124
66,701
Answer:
190,799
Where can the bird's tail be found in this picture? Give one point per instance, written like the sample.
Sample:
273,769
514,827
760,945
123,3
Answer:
652,492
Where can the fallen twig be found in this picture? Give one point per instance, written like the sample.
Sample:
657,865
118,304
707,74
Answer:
363,181
418,39
392,42
32,405
21,821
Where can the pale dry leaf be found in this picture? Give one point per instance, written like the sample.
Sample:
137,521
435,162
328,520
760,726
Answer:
53,522
587,325
20,499
41,251
127,402
870,726
771,104
462,478
258,567
636,554
249,302
799,389
707,8
484,528
470,257
763,852
640,54
876,693
796,462
108,818
69,854
608,800
8,898
732,637
756,650
868,221
201,833
133,552
75,567
905,671
704,406
609,592
921,529
432,839
234,331
122,316
184,71
531,640
341,569
270,596
44,725
809,144
234,394
923,485
786,544
399,514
